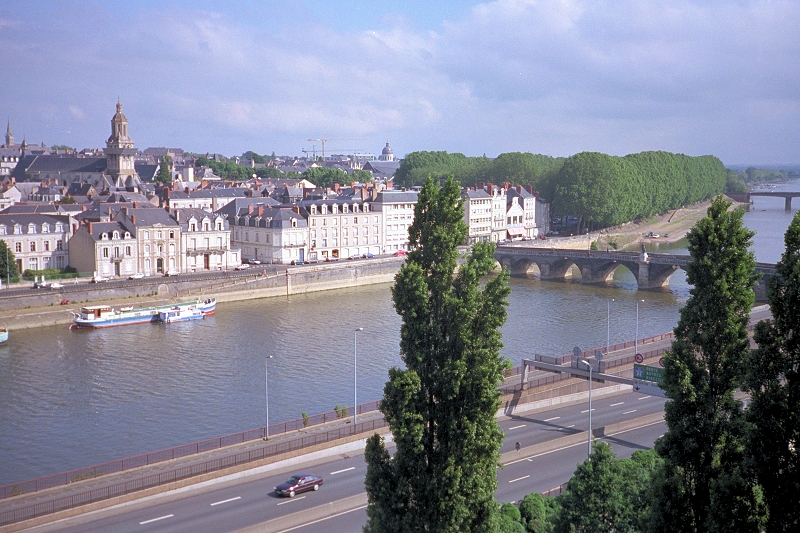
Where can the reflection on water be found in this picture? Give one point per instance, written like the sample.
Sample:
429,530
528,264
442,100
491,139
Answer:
74,398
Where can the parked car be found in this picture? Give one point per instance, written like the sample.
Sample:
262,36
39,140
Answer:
298,483
367,256
56,285
99,279
356,256
138,275
400,253
297,262
172,272
243,266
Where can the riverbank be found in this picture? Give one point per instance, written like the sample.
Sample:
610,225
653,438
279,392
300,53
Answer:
670,227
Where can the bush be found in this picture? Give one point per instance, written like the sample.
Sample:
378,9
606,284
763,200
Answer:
594,246
305,419
341,411
532,510
511,511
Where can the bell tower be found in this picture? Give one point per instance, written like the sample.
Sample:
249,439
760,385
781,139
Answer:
120,153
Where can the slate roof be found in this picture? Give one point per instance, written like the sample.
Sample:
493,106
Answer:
235,207
56,163
98,228
385,197
24,219
146,172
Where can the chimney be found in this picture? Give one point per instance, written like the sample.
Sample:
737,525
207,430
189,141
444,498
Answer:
186,190
250,208
135,205
166,193
519,189
261,210
90,228
83,207
529,188
133,219
296,209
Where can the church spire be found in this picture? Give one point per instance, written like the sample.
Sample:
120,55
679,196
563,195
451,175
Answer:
9,135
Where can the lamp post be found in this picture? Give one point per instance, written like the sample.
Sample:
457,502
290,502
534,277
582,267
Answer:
355,374
587,363
636,339
266,393
608,324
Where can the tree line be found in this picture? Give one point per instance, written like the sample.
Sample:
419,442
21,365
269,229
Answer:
718,467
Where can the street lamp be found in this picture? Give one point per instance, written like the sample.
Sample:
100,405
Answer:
587,363
266,393
355,374
636,339
608,324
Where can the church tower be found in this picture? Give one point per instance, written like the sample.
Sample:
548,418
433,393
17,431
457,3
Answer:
9,136
120,153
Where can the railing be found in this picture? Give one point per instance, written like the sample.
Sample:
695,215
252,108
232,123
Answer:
121,465
171,476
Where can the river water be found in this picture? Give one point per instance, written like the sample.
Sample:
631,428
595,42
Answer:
70,399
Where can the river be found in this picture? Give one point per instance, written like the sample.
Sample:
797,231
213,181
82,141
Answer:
75,398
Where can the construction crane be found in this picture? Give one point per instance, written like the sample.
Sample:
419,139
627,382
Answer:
323,141
313,152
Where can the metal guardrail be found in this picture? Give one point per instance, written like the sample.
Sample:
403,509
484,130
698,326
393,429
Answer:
119,489
168,454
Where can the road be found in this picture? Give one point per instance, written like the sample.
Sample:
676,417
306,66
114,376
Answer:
248,501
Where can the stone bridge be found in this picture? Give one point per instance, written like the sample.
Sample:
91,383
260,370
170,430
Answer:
652,271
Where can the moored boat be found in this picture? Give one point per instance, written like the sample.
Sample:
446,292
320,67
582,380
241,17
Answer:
179,314
3,335
105,316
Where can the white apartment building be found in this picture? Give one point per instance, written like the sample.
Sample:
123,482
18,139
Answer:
39,242
397,208
478,215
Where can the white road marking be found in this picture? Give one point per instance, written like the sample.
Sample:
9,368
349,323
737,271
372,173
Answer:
587,410
322,519
226,501
531,458
644,397
616,404
517,427
519,479
551,419
345,470
156,519
293,500
629,412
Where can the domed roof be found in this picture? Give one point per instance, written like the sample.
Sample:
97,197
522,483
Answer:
118,116
387,150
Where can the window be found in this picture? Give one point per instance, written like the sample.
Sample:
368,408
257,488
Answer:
355,219
171,234
146,249
128,250
59,227
192,227
31,228
104,236
127,234
159,235
116,235
45,228
33,247
46,246
59,245
18,247
105,253
314,222
147,235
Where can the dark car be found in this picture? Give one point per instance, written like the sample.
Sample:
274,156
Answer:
367,256
298,483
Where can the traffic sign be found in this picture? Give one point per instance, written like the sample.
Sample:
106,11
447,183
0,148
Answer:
638,358
646,380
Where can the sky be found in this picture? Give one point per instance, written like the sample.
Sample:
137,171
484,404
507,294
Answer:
555,77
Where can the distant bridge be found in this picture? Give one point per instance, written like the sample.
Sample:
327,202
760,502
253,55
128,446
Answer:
651,271
787,196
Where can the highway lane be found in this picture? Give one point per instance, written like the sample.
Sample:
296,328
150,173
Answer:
237,504
518,478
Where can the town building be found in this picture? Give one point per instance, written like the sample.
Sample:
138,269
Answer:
270,235
39,241
478,214
343,227
205,241
397,210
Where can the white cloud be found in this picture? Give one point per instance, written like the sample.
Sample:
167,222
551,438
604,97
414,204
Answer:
546,76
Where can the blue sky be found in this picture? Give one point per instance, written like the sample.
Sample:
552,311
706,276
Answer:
555,77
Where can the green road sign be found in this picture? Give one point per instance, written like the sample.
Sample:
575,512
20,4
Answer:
646,379
648,373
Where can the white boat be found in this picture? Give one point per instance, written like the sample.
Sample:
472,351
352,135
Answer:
3,335
179,314
104,316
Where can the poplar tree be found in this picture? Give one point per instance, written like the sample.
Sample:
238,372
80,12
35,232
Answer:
703,485
774,385
441,407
